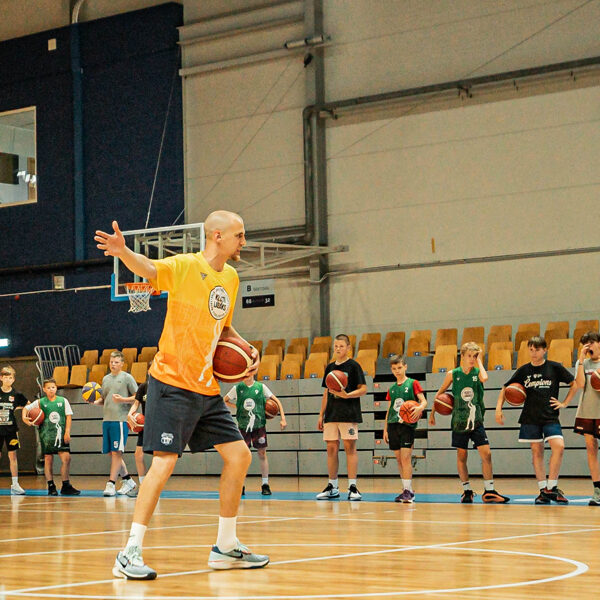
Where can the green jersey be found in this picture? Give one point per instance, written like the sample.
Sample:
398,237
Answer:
468,400
250,404
52,430
397,395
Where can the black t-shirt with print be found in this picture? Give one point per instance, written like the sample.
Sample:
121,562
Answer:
541,383
8,402
344,410
140,396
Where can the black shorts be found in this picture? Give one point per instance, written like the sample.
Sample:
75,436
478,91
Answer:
590,426
49,450
460,439
400,435
140,440
256,437
11,439
176,417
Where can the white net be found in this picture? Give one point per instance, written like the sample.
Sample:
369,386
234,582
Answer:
139,296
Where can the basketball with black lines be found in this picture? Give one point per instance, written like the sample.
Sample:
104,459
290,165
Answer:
336,380
515,394
232,359
444,403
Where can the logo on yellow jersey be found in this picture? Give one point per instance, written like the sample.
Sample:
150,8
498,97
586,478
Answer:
218,303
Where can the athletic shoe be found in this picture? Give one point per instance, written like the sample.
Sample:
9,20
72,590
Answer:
68,490
134,492
52,489
543,497
329,493
353,493
130,565
595,499
16,490
493,497
238,558
265,490
467,497
110,490
556,495
127,486
406,497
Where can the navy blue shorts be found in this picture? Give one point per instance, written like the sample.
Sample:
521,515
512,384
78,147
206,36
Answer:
460,439
539,433
114,436
400,436
176,418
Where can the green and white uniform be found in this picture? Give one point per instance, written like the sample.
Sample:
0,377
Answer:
250,404
52,430
398,395
467,390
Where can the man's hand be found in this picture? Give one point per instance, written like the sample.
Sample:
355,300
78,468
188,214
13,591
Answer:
113,244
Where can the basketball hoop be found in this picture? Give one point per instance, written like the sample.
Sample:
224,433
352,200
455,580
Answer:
139,296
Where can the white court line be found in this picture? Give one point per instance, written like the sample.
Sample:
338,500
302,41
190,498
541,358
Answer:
581,568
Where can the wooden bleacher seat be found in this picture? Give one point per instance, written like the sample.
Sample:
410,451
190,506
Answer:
561,352
267,370
368,345
371,337
352,339
314,367
556,330
320,347
322,357
499,333
502,357
89,358
295,357
445,358
78,376
139,371
583,327
257,344
61,376
523,356
274,350
446,337
417,346
297,349
501,346
130,357
97,373
367,359
323,339
277,342
147,354
290,369
473,334
393,343
300,341
524,335
105,356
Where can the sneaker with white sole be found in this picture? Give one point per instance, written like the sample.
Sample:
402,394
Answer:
238,558
16,490
329,492
127,486
354,494
110,490
130,565
595,499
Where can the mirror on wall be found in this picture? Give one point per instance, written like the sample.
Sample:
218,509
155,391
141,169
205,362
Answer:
18,174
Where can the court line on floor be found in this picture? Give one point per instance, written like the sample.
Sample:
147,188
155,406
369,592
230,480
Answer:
581,568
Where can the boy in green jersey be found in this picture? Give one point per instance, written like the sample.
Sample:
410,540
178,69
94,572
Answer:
249,398
467,421
55,435
399,434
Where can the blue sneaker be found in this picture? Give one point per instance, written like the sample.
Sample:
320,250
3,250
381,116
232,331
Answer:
238,558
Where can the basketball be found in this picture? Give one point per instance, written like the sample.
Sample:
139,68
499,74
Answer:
91,392
595,380
515,394
271,408
444,403
139,423
336,381
36,414
232,359
405,411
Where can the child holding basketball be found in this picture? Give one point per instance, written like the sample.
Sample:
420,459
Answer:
249,398
539,417
339,417
55,436
10,401
587,419
467,421
139,403
399,434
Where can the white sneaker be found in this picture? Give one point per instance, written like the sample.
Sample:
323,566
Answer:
110,490
238,558
130,565
329,493
128,485
16,490
354,494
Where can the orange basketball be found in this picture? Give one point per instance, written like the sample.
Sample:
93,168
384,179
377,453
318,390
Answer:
336,381
139,423
36,414
595,380
271,408
405,411
515,394
232,359
444,403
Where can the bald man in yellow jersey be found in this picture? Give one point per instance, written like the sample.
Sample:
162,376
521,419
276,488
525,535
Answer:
183,403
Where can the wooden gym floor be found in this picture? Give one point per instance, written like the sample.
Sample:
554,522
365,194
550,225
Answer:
435,548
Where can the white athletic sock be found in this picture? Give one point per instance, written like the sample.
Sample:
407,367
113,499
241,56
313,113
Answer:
466,485
141,478
265,480
407,484
226,537
552,483
350,482
542,484
334,482
15,480
136,536
488,485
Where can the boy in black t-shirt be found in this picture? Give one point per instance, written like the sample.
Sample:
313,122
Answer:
339,417
539,417
10,400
